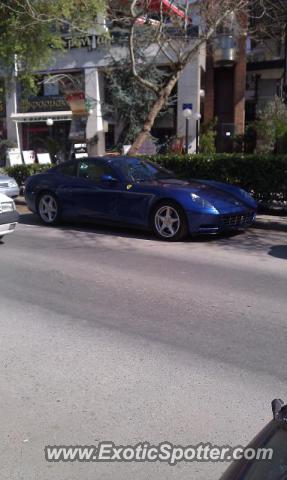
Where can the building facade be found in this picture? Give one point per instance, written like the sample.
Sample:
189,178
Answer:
225,84
53,119
266,74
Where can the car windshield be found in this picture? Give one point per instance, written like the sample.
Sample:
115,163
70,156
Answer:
142,171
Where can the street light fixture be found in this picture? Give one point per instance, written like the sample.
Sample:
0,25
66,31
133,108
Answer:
187,113
197,117
49,122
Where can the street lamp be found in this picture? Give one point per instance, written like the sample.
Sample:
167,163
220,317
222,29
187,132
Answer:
187,113
197,117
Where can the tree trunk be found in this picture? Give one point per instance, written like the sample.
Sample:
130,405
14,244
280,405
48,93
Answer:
159,103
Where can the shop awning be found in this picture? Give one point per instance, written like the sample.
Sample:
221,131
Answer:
155,5
33,117
167,6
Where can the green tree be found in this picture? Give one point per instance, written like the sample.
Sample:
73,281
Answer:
207,137
128,99
271,128
30,29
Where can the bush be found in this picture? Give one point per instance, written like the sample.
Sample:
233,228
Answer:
265,176
22,172
207,138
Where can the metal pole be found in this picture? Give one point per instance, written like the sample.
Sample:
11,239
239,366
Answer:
15,101
284,89
197,136
186,135
186,19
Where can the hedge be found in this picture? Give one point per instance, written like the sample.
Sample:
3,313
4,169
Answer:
264,176
22,172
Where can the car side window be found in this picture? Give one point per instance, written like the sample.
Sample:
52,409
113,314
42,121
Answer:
67,169
94,170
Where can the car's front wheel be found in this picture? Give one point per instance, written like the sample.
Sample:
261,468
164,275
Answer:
49,209
169,222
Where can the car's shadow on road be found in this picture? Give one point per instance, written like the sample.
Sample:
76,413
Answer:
117,230
89,228
256,240
279,251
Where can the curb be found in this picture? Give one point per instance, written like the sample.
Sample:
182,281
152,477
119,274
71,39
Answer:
20,201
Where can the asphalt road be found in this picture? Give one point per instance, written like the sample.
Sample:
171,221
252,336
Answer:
112,335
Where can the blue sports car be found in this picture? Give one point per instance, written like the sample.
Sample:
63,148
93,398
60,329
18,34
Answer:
136,192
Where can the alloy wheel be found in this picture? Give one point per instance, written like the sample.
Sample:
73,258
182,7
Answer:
48,208
167,221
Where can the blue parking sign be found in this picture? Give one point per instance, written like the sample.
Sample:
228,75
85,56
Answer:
186,106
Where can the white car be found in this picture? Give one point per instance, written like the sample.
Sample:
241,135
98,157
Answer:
9,186
8,215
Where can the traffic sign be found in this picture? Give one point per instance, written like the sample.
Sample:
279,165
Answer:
187,106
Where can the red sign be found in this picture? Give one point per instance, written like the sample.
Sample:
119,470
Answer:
77,103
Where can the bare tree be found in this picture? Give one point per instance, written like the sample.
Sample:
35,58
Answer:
172,37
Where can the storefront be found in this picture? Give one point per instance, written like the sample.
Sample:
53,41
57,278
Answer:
40,137
45,132
50,121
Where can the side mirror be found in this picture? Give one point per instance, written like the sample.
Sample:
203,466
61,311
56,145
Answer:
108,179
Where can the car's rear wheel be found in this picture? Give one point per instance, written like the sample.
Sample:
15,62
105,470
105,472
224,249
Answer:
49,209
169,222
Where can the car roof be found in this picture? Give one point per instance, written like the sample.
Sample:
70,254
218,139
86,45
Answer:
114,158
110,159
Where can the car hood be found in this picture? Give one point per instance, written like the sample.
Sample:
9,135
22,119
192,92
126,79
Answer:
216,193
4,178
4,198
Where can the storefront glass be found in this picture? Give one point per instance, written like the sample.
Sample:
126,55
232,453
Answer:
43,138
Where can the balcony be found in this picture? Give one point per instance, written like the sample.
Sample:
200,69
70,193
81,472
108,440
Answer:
225,51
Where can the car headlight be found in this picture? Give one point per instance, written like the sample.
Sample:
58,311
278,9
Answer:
12,183
201,202
247,196
6,207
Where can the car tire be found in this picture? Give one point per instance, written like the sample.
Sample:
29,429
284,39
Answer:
48,209
168,221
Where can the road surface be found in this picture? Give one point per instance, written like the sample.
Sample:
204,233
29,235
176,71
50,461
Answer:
108,334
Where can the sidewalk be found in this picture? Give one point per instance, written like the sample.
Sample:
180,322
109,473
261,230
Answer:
21,206
271,222
264,222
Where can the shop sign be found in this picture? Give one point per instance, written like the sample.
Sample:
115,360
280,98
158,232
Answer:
77,102
43,104
13,157
93,42
28,157
78,129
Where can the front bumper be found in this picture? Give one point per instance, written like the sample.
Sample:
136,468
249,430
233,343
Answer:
216,223
31,201
8,222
